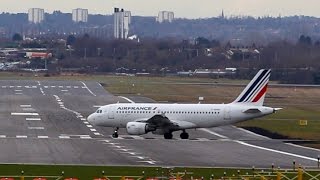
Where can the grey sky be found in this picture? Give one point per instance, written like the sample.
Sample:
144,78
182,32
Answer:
181,8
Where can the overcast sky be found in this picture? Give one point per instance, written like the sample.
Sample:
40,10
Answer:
181,8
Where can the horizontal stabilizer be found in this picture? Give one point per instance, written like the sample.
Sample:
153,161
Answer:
252,111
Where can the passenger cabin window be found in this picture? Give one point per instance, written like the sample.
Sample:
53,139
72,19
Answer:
99,111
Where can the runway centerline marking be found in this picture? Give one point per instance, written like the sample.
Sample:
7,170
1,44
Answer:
33,119
277,151
36,128
43,137
24,114
20,136
25,105
88,89
17,90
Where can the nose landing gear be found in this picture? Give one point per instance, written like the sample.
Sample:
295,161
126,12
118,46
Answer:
115,134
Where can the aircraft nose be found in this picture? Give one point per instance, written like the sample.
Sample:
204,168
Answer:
91,119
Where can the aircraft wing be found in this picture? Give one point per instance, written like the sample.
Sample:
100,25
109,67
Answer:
161,121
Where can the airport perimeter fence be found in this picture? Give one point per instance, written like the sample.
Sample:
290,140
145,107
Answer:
295,173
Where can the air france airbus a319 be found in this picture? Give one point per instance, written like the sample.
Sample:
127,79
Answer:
163,119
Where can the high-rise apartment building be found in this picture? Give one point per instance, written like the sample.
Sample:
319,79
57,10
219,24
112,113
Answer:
165,16
36,15
80,15
122,21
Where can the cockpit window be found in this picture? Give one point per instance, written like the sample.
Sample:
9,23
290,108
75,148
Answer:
99,111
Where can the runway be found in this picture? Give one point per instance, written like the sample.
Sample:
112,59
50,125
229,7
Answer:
44,122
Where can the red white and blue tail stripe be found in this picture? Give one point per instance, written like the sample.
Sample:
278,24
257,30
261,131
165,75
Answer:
256,90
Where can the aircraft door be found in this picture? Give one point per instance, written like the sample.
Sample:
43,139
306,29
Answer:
111,112
226,114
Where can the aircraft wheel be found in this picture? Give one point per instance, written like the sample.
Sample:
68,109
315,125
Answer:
184,135
115,135
168,135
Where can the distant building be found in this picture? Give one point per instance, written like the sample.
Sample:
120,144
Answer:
165,16
80,15
122,20
36,15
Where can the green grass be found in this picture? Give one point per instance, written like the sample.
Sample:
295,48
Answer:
91,172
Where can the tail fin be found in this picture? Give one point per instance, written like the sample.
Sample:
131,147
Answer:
256,90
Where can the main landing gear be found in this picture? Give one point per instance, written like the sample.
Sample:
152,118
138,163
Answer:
184,135
115,134
168,135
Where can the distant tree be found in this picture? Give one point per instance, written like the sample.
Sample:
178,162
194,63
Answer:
305,40
17,37
86,36
71,40
203,42
317,43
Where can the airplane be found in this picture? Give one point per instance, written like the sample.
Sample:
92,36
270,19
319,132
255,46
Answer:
163,119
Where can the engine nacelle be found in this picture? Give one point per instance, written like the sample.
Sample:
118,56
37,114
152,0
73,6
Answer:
138,128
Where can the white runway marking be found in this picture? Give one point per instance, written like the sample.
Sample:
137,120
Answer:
53,86
88,89
33,119
93,130
18,93
36,128
39,83
42,91
25,105
64,90
24,114
22,137
46,87
18,86
76,87
149,162
28,109
127,99
43,137
60,86
68,86
214,133
97,134
3,136
304,147
17,90
97,106
252,133
85,122
64,137
89,126
277,151
4,86
83,119
85,137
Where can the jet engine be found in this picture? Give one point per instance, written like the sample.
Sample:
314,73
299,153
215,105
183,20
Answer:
139,128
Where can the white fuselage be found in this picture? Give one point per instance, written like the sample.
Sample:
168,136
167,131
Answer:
193,115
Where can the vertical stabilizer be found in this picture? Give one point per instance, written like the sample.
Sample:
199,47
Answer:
255,91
